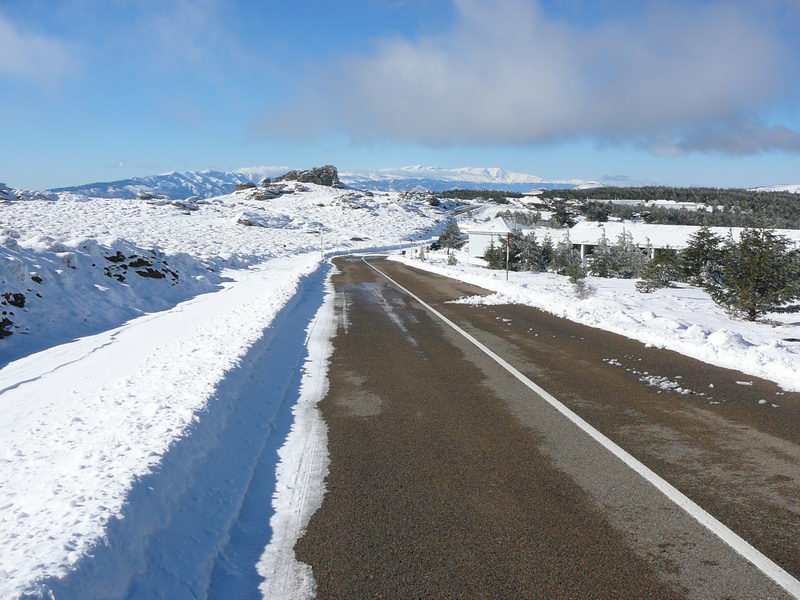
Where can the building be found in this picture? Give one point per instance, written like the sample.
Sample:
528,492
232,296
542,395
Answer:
482,235
587,234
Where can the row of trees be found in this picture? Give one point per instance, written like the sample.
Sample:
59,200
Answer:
749,276
725,207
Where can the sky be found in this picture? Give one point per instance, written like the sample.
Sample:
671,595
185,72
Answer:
622,91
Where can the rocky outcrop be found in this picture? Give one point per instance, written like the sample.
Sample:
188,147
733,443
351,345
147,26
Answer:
327,175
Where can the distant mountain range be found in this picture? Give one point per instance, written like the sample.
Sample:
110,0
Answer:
437,180
172,185
215,183
793,188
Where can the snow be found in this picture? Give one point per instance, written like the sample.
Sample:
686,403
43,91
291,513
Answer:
68,244
682,319
301,471
793,188
659,236
209,183
469,174
111,405
438,179
124,397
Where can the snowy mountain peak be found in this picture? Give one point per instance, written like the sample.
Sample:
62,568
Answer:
179,185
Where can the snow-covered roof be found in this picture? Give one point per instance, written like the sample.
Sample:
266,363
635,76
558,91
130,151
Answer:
659,236
497,225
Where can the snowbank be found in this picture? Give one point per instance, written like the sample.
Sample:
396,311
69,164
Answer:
682,319
75,440
53,291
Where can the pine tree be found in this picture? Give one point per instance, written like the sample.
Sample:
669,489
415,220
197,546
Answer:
495,257
701,255
603,261
562,214
531,254
627,260
548,250
660,272
564,257
451,236
758,274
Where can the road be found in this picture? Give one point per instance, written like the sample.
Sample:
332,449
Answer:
450,478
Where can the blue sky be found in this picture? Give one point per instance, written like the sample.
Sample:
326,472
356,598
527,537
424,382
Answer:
676,93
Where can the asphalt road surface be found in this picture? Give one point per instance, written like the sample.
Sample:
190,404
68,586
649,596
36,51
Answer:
451,479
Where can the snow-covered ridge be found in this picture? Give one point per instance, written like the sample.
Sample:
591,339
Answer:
471,174
175,185
793,188
206,184
438,179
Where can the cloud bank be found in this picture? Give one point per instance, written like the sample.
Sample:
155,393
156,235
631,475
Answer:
33,57
676,79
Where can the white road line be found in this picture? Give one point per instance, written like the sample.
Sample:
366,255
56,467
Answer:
742,547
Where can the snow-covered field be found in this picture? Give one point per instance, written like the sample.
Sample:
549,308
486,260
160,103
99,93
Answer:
129,392
75,260
683,319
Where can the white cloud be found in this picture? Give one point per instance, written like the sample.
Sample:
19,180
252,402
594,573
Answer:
33,56
262,171
507,73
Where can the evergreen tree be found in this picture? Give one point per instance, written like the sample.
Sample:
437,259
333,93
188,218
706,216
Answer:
511,246
531,253
451,236
603,261
548,250
759,274
701,255
562,215
626,259
660,272
495,256
596,211
565,257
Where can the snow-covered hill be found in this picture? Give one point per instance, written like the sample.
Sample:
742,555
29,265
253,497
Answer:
793,188
72,245
206,184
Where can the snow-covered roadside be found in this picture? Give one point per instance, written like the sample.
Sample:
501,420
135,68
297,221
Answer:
53,291
81,422
683,319
302,469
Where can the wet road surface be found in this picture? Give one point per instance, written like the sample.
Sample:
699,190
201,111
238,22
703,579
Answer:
450,479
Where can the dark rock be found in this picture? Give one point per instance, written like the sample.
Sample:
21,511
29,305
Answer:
247,185
14,299
327,175
140,262
152,273
5,326
38,279
266,181
116,258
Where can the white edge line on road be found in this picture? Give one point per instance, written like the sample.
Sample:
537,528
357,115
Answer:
759,560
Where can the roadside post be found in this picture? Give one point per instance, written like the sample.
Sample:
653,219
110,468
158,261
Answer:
508,252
